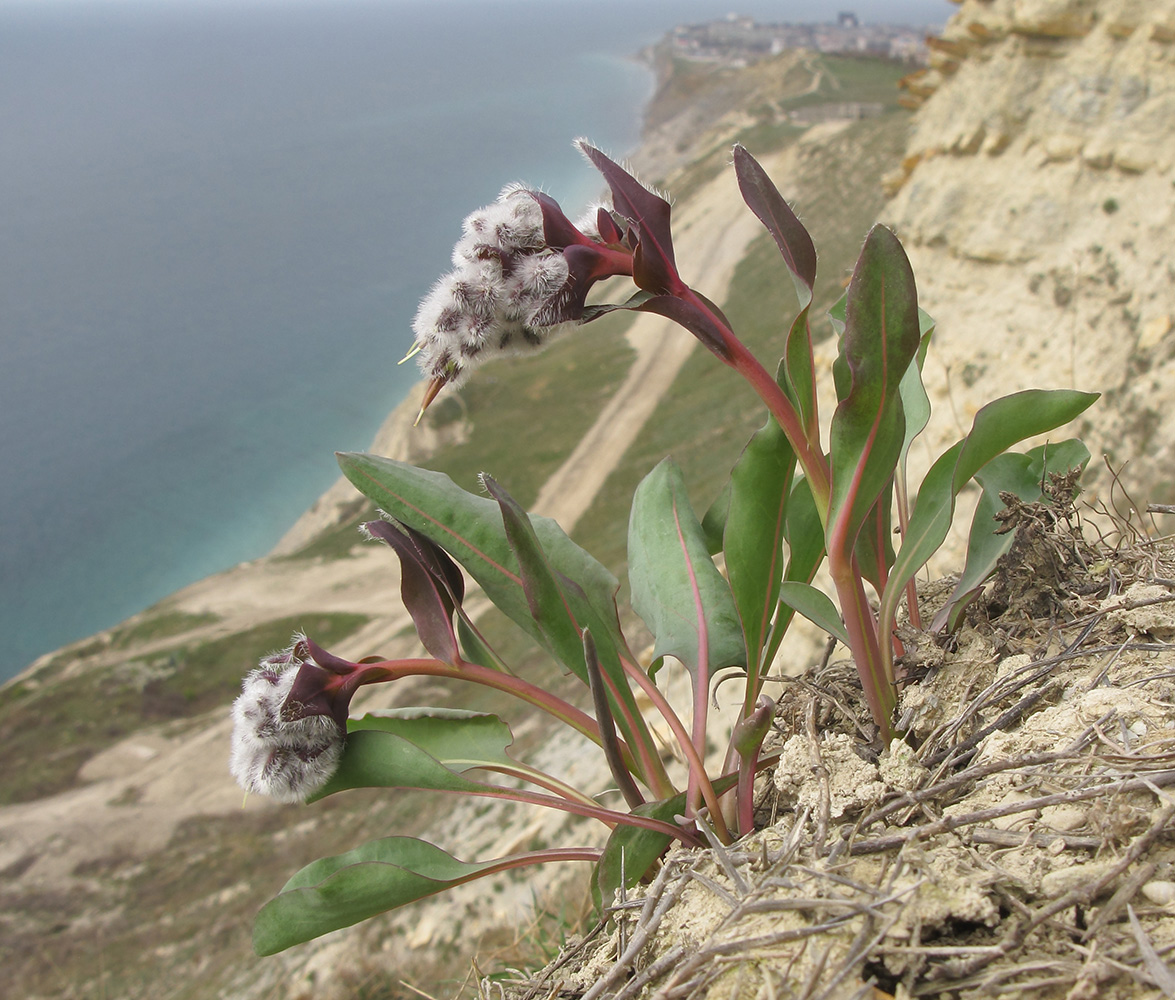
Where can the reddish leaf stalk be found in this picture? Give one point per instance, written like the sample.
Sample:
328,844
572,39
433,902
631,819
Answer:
652,771
580,721
693,760
863,641
542,780
902,495
609,817
808,453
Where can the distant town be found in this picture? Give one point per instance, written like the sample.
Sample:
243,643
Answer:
740,40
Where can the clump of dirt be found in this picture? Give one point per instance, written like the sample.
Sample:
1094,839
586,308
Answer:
1017,841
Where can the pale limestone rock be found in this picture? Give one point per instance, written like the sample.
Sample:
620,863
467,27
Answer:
1053,18
1043,248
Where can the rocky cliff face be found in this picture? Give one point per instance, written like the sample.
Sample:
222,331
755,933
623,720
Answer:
1037,203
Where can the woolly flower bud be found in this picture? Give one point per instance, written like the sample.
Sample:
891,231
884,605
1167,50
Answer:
274,753
512,224
490,304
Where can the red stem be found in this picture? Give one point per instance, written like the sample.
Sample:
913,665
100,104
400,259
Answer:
694,762
389,670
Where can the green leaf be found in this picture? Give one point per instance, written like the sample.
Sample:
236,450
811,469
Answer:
997,426
714,520
545,598
915,402
880,340
874,549
676,588
631,850
805,552
760,485
1007,473
377,759
561,611
815,605
799,374
342,890
456,738
640,847
805,535
470,528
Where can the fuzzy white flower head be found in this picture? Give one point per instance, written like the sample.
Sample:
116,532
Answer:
512,224
286,759
492,302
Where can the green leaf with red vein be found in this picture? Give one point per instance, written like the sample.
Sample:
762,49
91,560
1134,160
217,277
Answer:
756,517
470,529
879,342
381,875
676,587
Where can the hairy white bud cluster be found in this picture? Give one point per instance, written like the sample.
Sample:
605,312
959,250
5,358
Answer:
285,758
490,303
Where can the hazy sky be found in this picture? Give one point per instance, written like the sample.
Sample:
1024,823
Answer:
907,11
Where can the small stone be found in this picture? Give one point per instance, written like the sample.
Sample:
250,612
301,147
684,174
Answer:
1056,883
1153,331
899,768
1160,892
1062,818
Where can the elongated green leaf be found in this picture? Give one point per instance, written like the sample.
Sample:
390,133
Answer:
880,340
915,402
676,588
631,850
714,520
760,486
471,530
814,605
1015,473
382,875
375,759
456,738
805,552
874,549
997,426
799,374
548,604
640,847
553,601
805,534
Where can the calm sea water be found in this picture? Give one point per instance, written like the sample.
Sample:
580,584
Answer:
216,219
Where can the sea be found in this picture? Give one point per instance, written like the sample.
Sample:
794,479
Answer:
216,220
